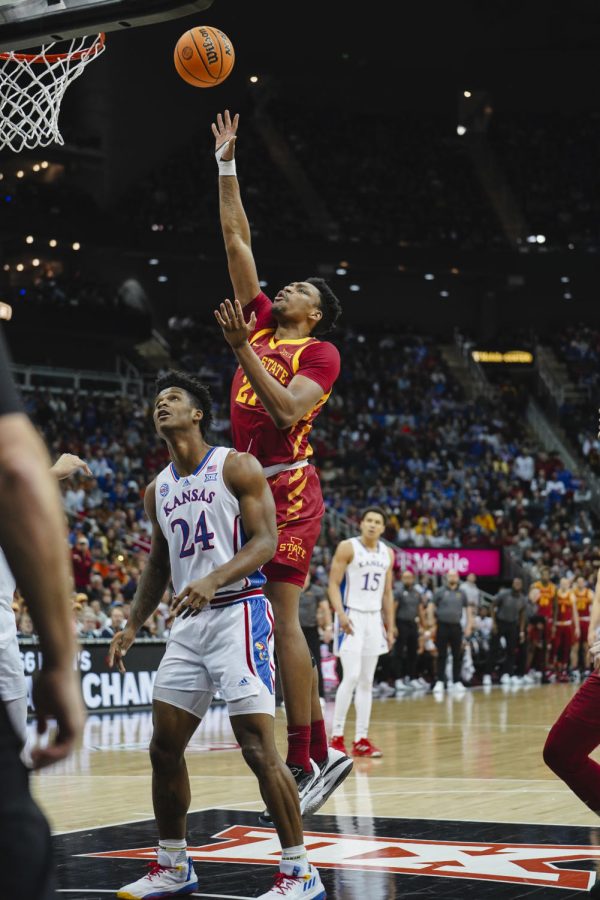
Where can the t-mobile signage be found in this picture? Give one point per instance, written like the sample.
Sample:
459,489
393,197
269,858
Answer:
438,561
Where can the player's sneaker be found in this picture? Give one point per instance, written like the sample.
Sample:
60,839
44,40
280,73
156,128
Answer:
337,743
307,887
306,782
487,681
335,768
386,690
438,687
364,747
505,678
162,881
416,685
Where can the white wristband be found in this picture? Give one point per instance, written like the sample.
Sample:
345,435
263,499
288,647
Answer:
226,166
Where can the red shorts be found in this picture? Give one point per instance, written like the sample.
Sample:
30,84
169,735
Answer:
540,628
299,507
563,640
584,625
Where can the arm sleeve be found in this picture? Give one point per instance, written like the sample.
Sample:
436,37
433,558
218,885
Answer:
261,305
321,363
9,398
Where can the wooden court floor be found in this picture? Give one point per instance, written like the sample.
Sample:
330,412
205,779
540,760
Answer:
475,757
460,806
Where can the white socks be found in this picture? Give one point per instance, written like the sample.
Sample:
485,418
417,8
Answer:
172,853
294,861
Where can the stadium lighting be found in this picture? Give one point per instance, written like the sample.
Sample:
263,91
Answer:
162,278
568,296
1,177
460,130
76,245
36,168
454,271
444,294
52,242
20,173
571,246
541,238
20,267
263,284
35,262
343,264
153,262
531,238
467,94
44,164
340,271
429,276
29,239
6,267
5,311
254,79
355,287
565,279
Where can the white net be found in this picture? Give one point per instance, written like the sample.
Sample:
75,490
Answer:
32,87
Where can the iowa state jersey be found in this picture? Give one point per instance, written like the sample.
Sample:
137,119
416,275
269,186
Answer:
364,579
584,599
253,430
201,521
545,602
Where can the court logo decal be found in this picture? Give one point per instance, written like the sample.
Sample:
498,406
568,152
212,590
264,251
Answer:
532,864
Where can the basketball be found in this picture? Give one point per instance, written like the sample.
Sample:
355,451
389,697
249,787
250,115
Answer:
204,56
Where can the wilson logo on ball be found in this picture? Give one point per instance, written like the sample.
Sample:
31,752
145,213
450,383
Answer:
204,56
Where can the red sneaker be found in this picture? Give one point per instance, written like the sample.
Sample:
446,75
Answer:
364,747
337,743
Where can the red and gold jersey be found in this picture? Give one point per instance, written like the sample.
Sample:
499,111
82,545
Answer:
564,606
545,602
252,428
584,600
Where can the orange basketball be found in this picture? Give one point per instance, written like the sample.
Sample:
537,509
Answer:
204,56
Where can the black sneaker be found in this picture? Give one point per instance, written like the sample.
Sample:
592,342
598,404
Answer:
308,783
335,768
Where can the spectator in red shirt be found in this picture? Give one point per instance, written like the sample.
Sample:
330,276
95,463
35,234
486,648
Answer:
82,563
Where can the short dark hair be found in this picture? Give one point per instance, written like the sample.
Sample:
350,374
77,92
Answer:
373,509
197,391
330,306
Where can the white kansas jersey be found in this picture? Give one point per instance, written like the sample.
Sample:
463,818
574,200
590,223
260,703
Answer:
8,626
201,521
364,581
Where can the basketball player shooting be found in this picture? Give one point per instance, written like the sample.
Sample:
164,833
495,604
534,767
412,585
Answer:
284,378
213,527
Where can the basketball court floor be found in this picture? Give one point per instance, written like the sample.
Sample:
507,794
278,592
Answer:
460,805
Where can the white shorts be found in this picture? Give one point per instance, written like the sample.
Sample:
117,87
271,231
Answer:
368,638
227,649
12,676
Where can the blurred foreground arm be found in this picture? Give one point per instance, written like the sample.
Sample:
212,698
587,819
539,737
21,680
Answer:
33,537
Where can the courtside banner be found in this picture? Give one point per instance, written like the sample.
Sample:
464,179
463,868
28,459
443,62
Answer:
105,688
439,561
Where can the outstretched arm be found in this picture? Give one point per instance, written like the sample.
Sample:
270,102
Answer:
245,478
152,585
234,222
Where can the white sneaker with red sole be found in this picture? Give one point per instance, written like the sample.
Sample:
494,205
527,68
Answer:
365,748
307,887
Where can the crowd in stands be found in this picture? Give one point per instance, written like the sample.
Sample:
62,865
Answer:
578,347
397,432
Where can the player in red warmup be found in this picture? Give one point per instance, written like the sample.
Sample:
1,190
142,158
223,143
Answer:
284,378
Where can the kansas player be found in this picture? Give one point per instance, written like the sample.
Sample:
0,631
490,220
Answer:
13,687
285,376
360,591
213,521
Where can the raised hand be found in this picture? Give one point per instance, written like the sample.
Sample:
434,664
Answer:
236,330
225,133
67,464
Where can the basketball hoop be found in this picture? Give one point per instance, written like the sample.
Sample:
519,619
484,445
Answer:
32,86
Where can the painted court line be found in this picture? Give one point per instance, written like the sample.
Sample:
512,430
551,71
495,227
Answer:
113,891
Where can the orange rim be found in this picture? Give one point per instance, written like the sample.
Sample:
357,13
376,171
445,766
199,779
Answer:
92,50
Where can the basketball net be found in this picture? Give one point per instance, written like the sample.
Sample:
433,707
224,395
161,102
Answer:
32,86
